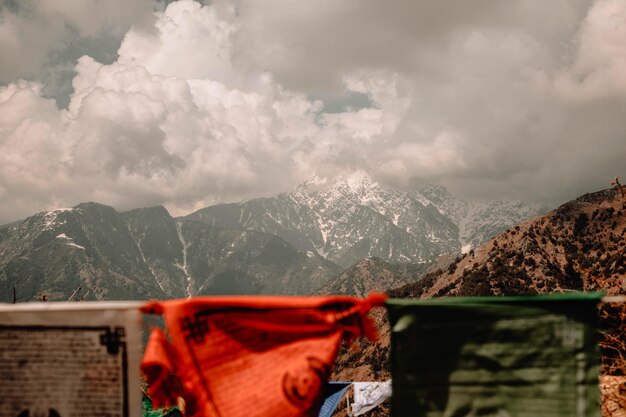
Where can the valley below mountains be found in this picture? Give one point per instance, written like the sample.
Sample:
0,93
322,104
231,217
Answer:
352,236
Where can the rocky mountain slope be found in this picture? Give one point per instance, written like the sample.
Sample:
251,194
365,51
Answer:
579,246
355,217
478,220
55,252
145,253
372,275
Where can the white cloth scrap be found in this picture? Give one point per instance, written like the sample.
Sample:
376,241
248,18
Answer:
368,395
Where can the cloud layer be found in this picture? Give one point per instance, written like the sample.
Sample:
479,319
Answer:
204,104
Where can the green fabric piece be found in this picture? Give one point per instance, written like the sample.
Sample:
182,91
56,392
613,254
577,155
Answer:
495,356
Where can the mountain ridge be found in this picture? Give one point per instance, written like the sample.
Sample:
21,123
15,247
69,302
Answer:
292,243
355,217
144,254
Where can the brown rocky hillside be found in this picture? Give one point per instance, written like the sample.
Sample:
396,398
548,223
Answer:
579,246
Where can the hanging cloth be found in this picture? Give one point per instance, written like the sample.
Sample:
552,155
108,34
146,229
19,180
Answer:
332,395
495,356
369,395
250,356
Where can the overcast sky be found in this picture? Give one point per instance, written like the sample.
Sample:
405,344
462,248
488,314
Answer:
137,103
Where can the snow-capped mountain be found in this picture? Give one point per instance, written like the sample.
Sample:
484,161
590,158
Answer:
355,217
292,243
351,219
478,220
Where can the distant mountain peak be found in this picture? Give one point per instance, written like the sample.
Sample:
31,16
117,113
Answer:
355,180
347,183
50,218
93,205
435,189
159,211
356,187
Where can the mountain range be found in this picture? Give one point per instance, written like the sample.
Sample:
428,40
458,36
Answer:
355,217
292,243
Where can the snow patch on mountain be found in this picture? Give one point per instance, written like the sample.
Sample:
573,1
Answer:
69,241
184,267
50,218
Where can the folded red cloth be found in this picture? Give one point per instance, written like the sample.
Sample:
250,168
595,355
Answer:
250,356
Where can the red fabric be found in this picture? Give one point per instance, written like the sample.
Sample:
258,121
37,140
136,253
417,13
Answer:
250,356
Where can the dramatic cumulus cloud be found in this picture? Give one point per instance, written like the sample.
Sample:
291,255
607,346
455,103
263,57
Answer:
239,99
41,39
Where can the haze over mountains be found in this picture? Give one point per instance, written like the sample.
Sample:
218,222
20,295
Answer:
292,243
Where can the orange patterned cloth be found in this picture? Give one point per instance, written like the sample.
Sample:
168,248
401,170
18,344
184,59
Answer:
250,356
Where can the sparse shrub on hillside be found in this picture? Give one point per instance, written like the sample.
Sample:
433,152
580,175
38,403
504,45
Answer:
415,289
581,223
514,281
572,278
497,263
530,262
476,283
570,248
379,360
445,290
